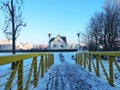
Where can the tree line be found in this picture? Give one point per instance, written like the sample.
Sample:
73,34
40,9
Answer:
104,27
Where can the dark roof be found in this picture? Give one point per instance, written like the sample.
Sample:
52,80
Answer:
51,40
62,37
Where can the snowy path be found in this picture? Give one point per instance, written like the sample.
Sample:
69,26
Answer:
66,76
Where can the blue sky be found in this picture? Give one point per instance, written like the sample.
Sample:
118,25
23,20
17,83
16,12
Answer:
64,17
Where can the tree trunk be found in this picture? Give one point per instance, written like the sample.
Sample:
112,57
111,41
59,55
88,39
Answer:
13,32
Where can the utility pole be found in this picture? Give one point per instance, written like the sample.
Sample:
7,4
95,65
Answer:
78,34
49,35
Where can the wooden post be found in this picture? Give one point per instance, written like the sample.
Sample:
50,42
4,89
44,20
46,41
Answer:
81,59
111,80
12,76
76,58
42,67
20,76
53,58
97,65
85,60
35,71
50,60
39,69
90,58
46,66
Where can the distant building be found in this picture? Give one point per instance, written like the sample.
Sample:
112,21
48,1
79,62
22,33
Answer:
5,45
39,46
58,42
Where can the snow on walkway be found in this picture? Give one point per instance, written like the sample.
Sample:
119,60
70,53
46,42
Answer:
68,76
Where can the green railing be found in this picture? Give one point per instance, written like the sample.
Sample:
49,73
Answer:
24,73
102,63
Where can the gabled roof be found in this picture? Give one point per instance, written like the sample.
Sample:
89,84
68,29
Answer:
51,40
62,37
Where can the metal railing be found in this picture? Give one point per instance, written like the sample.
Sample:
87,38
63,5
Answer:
103,64
25,74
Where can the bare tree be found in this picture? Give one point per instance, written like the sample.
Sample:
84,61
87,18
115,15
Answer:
87,39
105,26
112,13
97,27
13,20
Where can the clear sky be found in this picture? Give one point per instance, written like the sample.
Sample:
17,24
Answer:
64,17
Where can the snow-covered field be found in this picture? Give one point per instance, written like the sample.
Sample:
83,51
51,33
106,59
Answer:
65,76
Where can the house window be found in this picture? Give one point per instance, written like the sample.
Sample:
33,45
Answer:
58,40
61,45
55,46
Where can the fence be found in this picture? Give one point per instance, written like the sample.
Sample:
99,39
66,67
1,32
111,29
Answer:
27,70
102,63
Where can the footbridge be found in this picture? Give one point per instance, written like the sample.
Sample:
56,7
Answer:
34,70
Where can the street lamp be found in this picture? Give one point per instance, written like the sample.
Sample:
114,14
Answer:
78,34
49,35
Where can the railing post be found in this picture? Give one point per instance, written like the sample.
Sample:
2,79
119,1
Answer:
11,78
111,80
42,67
76,58
52,59
97,65
90,58
48,57
81,59
85,60
35,71
46,66
48,61
20,76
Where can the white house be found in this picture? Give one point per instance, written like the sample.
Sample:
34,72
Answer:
58,42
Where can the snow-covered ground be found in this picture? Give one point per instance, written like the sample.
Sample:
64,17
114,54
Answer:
65,75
